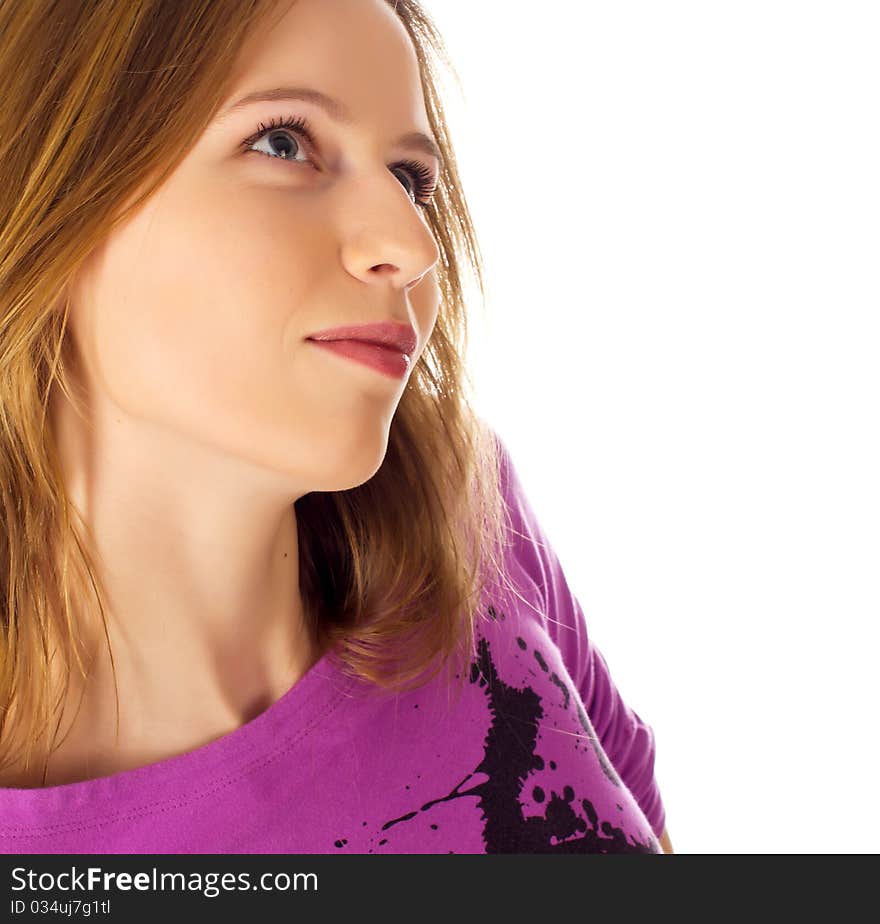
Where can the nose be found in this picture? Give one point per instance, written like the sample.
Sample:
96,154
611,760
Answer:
415,260
391,243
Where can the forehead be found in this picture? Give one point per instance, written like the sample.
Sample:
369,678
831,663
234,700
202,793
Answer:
357,51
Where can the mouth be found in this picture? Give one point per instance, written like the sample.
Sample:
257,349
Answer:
387,360
388,335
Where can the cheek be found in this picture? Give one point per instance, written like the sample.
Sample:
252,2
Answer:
196,302
426,305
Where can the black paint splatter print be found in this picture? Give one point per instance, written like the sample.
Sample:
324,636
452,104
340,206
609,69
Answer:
564,819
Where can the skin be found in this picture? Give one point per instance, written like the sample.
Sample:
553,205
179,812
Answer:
210,412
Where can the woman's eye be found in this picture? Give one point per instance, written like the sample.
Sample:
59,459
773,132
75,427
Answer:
279,141
411,186
421,180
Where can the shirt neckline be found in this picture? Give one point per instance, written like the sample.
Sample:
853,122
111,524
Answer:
280,726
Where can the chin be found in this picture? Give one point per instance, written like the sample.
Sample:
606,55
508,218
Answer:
351,465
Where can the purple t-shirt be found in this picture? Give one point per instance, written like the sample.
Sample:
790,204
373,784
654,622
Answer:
534,751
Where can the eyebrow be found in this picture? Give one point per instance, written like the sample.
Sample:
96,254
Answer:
336,110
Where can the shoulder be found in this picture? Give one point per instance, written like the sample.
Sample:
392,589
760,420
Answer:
530,564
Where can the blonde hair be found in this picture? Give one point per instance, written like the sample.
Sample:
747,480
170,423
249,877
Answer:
100,104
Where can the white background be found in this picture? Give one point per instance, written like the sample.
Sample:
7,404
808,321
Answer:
678,205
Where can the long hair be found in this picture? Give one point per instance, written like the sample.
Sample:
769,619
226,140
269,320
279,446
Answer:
100,102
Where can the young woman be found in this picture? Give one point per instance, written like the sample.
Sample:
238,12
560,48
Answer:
270,583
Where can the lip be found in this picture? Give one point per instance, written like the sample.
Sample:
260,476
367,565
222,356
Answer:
387,360
399,337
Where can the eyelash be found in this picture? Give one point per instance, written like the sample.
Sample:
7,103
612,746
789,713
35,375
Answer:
424,183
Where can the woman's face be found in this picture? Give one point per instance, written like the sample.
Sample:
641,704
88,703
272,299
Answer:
194,314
